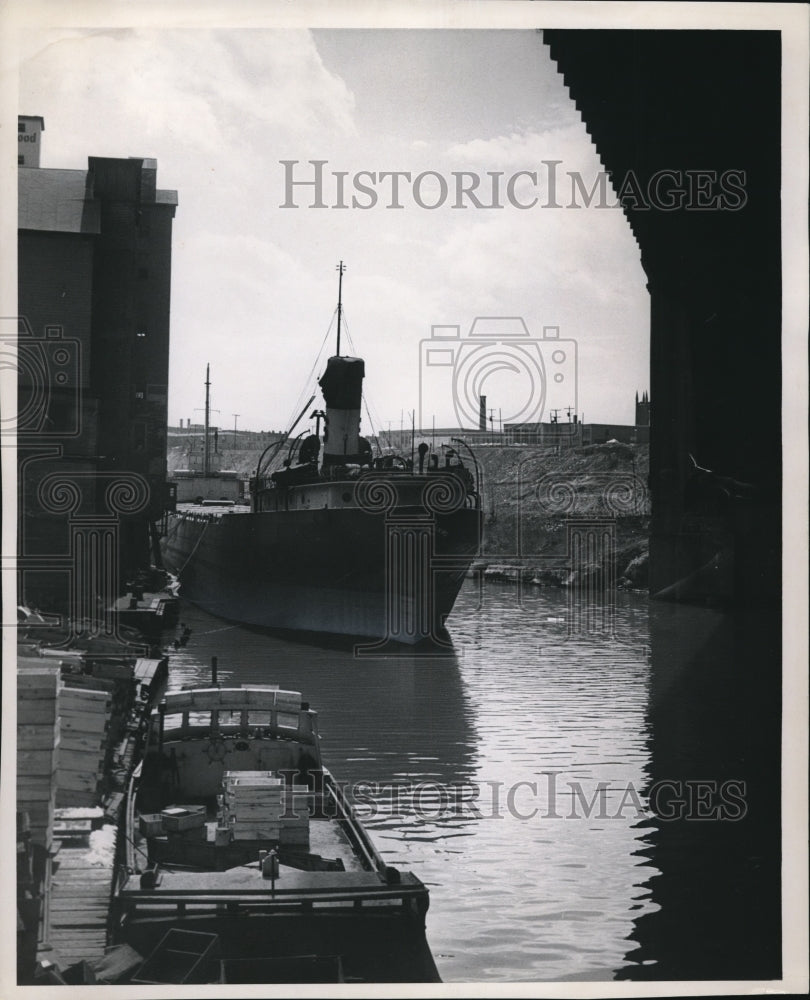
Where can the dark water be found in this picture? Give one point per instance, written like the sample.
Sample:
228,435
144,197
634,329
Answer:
512,778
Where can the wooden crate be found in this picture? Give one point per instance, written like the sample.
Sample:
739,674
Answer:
256,831
38,679
84,723
45,737
228,776
39,685
150,824
75,781
35,762
177,818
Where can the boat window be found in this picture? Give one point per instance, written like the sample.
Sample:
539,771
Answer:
288,720
173,721
199,718
260,718
230,717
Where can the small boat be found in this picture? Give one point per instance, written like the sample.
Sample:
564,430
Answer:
243,861
149,614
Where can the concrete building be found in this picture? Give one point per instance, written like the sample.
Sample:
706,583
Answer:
93,357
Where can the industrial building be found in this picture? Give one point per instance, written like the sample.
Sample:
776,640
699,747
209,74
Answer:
94,270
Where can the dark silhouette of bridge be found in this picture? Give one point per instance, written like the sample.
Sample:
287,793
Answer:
693,111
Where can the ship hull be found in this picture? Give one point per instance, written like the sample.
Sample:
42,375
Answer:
389,576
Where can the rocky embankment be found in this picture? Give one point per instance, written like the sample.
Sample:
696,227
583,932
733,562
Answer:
532,496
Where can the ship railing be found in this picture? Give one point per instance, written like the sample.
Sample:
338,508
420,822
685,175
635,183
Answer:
218,711
410,892
267,697
246,725
345,814
471,453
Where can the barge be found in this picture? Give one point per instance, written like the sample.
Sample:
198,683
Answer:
243,861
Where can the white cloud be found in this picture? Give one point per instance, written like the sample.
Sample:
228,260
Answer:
177,95
253,285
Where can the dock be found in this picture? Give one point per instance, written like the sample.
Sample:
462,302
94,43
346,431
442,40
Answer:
79,718
79,904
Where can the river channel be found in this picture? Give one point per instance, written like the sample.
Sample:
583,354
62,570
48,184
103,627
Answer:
513,776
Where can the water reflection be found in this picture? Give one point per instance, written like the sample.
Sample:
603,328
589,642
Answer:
714,720
378,718
563,715
509,777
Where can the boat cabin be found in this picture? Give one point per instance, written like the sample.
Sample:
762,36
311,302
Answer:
196,736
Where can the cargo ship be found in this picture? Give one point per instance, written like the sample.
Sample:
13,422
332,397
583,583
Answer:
244,862
337,540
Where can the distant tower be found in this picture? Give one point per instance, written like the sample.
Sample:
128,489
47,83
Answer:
482,413
29,139
643,410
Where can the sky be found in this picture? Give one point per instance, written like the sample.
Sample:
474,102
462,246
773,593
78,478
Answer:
254,284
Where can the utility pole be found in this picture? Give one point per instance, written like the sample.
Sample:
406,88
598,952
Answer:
554,415
206,443
207,452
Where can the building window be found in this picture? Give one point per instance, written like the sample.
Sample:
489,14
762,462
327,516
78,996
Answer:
21,126
20,161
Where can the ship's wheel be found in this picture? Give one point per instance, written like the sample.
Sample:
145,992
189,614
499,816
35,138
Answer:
216,749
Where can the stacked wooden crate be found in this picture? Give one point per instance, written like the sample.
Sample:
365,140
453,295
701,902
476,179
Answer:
253,804
295,821
85,717
258,805
120,690
39,686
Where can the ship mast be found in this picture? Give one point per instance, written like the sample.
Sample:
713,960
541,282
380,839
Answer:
340,269
207,449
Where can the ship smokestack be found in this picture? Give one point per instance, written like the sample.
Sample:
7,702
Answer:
482,413
342,387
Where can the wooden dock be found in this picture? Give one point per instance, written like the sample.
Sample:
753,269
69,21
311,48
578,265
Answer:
77,741
79,905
